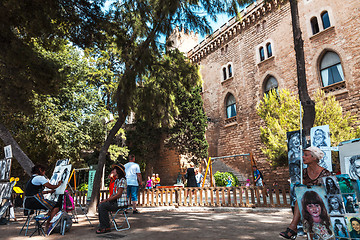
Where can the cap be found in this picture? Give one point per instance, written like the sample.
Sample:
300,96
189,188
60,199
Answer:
317,152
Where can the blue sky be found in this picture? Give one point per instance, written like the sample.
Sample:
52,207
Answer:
222,19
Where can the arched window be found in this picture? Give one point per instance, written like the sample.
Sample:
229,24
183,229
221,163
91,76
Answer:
325,20
230,70
262,55
230,106
314,25
331,69
268,49
224,73
271,83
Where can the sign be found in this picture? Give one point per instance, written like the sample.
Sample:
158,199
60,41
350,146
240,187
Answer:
8,151
92,172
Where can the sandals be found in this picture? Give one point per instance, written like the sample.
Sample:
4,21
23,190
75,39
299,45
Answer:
286,235
103,230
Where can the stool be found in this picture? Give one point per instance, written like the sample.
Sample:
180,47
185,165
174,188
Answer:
39,222
125,225
30,213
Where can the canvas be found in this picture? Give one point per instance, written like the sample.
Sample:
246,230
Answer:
61,172
340,227
353,226
314,210
5,168
6,190
352,166
320,137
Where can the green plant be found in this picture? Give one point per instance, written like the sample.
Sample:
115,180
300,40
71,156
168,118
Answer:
83,187
221,179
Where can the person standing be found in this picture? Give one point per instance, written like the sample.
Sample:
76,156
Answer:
157,180
258,177
199,177
134,180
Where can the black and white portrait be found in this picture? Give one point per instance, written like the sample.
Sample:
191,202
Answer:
352,166
62,162
335,205
6,189
350,203
294,170
61,173
5,168
339,226
331,185
3,208
320,137
8,151
294,153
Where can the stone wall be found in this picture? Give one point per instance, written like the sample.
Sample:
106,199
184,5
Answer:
237,44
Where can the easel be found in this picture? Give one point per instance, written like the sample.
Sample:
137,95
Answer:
77,201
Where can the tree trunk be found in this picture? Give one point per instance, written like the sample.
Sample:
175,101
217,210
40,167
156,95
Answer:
18,154
306,102
99,170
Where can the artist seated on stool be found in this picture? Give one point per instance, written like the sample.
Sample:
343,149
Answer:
34,193
115,201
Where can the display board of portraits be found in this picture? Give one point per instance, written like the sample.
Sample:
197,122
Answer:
5,168
294,157
62,173
349,153
320,137
332,210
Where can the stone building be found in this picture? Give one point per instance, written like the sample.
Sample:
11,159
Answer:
244,59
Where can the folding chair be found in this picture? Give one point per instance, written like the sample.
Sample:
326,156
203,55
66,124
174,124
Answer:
125,224
29,213
39,222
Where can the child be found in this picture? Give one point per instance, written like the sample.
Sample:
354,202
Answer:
148,183
315,217
247,183
229,182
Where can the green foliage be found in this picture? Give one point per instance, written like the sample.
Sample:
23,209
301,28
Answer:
169,108
83,187
65,125
280,112
188,134
26,27
221,179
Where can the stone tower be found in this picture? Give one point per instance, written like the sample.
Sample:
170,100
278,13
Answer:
183,40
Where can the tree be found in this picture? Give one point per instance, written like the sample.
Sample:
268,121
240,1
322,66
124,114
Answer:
137,26
280,114
26,27
187,135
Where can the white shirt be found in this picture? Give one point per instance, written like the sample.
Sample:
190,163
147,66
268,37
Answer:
131,170
39,180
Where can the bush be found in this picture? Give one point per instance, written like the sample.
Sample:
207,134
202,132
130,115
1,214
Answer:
221,179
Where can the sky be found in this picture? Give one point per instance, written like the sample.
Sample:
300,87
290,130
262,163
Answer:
222,19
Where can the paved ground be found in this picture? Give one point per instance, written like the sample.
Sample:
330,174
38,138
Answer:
179,223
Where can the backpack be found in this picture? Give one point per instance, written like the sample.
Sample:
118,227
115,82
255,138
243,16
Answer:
68,202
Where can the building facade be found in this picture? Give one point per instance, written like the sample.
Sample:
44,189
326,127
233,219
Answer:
244,59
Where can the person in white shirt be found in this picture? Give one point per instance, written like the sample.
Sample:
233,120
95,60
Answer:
134,180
